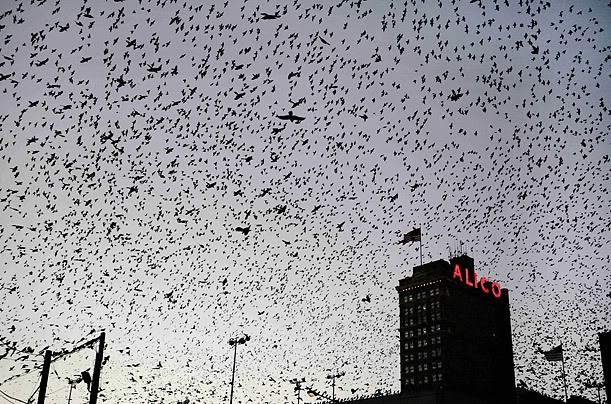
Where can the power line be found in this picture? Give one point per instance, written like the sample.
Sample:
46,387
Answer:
36,389
59,355
12,398
9,400
27,373
14,348
22,360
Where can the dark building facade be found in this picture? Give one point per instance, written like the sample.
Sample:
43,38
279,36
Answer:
455,333
525,396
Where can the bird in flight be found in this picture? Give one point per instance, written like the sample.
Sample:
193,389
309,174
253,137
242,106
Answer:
291,117
266,16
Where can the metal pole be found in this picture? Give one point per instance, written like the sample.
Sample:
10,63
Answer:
564,375
333,385
70,394
44,377
95,382
421,248
235,354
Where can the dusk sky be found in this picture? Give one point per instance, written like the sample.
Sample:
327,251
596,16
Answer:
158,184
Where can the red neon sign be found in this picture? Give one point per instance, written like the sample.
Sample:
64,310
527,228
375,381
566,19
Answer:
476,283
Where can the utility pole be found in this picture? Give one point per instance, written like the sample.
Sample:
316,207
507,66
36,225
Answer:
332,378
95,381
43,379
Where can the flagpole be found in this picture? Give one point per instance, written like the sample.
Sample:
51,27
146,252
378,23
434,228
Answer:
421,248
563,374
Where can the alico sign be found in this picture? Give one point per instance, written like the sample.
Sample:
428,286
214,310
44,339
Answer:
481,283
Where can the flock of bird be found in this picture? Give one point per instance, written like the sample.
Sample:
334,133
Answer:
180,173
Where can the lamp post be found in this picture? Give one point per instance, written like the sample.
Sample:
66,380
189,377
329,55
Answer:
72,383
234,342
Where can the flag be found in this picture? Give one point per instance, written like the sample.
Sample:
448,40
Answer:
554,354
412,236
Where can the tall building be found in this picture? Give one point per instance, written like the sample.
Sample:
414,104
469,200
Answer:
455,333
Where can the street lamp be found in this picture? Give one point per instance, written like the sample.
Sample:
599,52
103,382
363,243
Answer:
234,342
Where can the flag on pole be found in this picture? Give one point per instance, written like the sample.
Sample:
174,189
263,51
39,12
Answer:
414,235
553,355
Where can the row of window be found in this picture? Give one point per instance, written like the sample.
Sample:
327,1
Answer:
423,319
422,308
433,353
423,342
416,332
411,296
423,367
413,381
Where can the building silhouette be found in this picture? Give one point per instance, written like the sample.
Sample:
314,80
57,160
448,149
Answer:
455,332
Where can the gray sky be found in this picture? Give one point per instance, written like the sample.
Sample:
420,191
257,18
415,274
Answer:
136,138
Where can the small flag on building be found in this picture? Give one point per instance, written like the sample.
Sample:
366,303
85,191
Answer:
412,236
554,354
